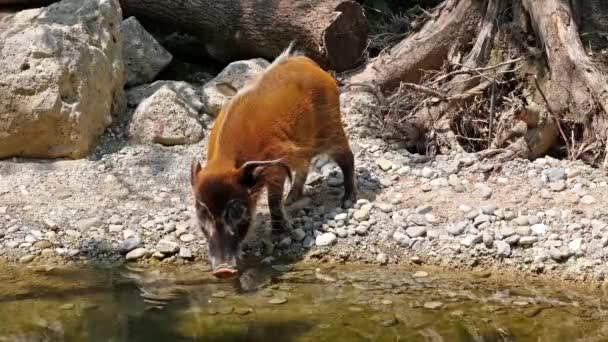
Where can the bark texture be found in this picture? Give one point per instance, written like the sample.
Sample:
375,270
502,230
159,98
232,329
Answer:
452,29
575,82
332,32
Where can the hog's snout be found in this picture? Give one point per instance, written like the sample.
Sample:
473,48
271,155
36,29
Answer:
224,272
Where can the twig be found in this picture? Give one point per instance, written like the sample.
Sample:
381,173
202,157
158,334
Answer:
427,90
474,70
557,121
491,125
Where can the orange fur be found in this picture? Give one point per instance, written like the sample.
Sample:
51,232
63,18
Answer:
290,111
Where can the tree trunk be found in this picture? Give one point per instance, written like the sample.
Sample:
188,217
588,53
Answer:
332,32
572,92
574,80
444,36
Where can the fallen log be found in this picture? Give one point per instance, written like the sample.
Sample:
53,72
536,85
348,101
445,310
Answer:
332,32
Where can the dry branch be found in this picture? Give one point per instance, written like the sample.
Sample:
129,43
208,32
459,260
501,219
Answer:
426,49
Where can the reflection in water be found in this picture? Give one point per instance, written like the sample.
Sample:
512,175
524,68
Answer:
288,304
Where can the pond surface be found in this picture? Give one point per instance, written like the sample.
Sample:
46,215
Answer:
290,303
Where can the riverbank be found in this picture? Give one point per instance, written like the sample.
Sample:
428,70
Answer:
544,218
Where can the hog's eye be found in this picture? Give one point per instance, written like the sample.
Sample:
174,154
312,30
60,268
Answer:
235,211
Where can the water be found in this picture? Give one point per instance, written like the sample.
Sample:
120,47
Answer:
289,303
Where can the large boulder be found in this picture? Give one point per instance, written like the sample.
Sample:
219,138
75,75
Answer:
170,116
144,56
61,77
236,75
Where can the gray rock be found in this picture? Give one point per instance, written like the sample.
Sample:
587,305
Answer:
424,209
144,56
168,118
326,239
503,249
457,228
417,219
361,229
342,232
285,242
431,219
523,230
554,174
167,247
26,259
416,231
488,239
527,240
361,214
382,259
129,244
236,74
136,254
560,254
187,238
488,208
384,164
471,240
558,186
512,240
435,305
539,229
588,199
483,218
298,234
43,244
88,223
308,242
522,220
427,172
575,245
62,77
401,238
185,253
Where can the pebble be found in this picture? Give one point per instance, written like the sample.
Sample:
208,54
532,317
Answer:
554,174
298,234
278,300
130,244
187,237
361,229
488,239
185,253
471,240
488,208
575,245
588,199
427,172
401,238
167,247
43,244
85,224
457,228
416,231
136,254
433,305
503,249
308,242
420,274
382,259
527,240
539,229
558,186
384,164
326,239
424,209
26,259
